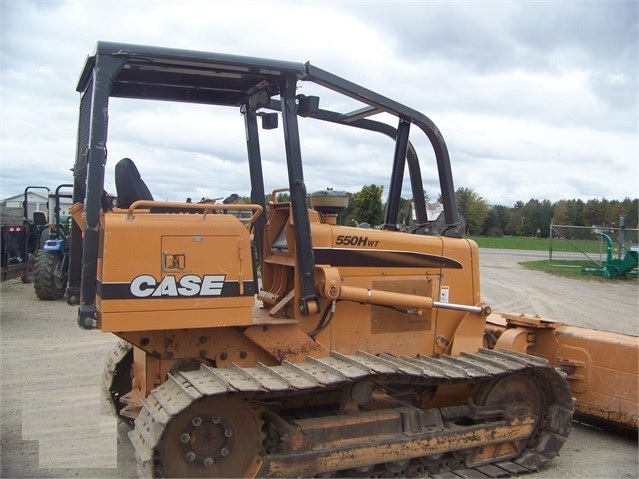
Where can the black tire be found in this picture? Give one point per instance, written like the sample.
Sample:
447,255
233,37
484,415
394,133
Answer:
48,281
44,236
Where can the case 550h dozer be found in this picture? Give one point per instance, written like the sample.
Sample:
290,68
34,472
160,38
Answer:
354,352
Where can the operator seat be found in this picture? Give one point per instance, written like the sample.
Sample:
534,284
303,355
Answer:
129,185
39,218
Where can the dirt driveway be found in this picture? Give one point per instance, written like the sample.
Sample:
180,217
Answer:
52,423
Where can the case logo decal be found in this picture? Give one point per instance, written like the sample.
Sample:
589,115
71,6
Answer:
146,286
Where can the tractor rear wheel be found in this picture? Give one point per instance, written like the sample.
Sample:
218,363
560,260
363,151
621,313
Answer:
49,280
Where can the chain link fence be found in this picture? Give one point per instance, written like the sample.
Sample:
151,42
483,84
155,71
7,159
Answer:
596,244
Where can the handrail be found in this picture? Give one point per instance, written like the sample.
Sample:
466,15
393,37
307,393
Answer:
275,192
199,206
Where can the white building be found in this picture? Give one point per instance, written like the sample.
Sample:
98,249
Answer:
38,201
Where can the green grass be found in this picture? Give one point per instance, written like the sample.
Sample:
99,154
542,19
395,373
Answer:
538,244
564,268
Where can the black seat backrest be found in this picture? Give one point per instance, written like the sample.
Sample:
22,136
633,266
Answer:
39,218
129,185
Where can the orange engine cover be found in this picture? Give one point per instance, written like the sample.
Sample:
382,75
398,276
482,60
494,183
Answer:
169,271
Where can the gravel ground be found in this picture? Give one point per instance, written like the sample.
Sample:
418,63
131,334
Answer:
53,422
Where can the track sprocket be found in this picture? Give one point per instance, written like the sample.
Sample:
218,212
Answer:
214,437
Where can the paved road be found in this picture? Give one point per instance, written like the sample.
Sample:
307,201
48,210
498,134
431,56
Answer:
52,425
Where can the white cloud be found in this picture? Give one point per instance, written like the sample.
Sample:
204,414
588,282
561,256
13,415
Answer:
533,101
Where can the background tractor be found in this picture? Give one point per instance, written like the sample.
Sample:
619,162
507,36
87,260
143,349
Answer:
52,260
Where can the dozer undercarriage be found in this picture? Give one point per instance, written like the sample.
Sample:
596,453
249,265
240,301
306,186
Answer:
356,416
269,341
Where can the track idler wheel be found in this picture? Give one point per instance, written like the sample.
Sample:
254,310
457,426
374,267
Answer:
211,438
518,388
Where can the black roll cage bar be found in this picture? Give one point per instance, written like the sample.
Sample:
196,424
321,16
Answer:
253,84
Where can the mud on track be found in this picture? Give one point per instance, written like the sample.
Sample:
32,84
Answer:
52,423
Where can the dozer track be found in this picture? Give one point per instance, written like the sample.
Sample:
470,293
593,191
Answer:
255,422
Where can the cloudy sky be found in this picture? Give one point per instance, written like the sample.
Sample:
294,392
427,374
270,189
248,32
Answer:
534,99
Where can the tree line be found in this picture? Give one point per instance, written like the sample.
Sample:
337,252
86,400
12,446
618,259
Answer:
532,218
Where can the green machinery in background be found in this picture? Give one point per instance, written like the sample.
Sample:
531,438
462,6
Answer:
614,267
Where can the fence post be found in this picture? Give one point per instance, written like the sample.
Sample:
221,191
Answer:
622,231
550,245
